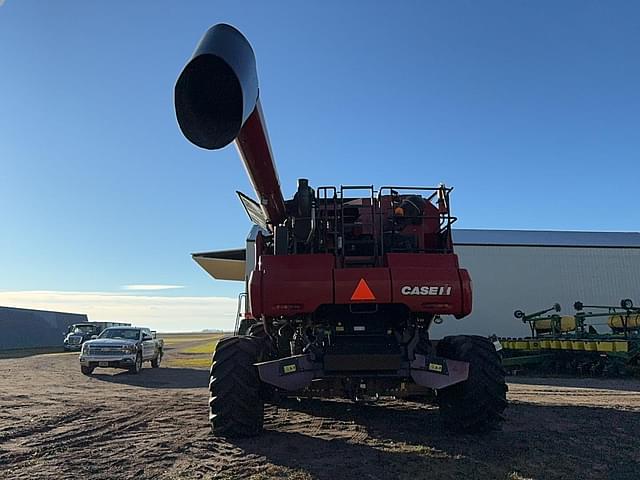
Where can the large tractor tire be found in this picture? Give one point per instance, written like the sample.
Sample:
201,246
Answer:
236,406
475,405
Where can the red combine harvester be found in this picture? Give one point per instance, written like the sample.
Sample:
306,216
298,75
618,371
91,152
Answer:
343,282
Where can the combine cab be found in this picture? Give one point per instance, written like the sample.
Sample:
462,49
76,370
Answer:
343,282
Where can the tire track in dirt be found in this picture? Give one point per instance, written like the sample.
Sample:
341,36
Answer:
97,428
43,424
115,436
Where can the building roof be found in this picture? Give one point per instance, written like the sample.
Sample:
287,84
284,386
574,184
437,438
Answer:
542,238
37,311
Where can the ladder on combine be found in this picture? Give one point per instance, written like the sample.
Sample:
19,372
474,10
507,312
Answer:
349,224
359,237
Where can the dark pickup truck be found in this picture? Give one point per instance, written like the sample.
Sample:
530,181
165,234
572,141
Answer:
78,333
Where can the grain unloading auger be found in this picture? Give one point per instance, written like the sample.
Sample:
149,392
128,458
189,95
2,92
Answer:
343,282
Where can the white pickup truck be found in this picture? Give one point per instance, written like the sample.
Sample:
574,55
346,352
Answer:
121,347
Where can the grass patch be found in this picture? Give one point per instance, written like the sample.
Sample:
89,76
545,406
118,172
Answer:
191,351
178,339
206,347
189,362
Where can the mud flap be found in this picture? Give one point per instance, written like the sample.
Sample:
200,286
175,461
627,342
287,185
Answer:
438,372
291,373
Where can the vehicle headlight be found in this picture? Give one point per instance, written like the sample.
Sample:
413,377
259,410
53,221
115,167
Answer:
129,349
85,349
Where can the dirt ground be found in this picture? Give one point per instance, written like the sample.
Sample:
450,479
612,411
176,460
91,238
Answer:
57,423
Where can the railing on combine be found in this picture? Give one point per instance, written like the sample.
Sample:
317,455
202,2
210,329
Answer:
348,224
445,219
359,230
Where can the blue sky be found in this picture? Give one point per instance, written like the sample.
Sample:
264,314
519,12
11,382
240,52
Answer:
531,110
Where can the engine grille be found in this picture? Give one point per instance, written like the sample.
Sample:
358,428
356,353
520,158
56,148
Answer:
105,350
75,340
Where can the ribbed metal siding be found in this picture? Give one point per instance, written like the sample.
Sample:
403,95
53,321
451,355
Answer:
506,278
23,328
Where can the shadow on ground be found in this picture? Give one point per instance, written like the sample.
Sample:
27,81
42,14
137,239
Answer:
158,378
398,441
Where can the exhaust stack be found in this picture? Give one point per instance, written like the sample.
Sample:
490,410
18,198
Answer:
216,102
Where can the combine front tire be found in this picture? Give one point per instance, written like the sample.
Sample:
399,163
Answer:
475,405
236,406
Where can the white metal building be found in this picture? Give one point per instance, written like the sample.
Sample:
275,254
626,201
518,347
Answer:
531,270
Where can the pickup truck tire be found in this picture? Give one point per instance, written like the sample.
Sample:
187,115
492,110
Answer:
86,370
136,366
236,406
475,405
155,361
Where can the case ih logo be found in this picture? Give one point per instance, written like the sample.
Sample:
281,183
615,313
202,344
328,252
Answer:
424,290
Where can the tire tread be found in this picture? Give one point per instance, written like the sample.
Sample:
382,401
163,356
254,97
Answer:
477,404
236,408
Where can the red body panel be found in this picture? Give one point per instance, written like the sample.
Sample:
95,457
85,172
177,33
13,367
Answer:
286,285
426,282
292,284
346,281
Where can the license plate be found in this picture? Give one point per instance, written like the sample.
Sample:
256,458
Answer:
103,364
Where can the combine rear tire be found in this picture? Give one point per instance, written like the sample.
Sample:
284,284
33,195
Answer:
475,405
236,407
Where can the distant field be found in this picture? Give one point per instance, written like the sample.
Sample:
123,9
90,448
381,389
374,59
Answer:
190,350
187,337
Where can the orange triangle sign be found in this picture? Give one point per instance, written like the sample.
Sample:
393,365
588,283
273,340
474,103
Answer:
362,292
